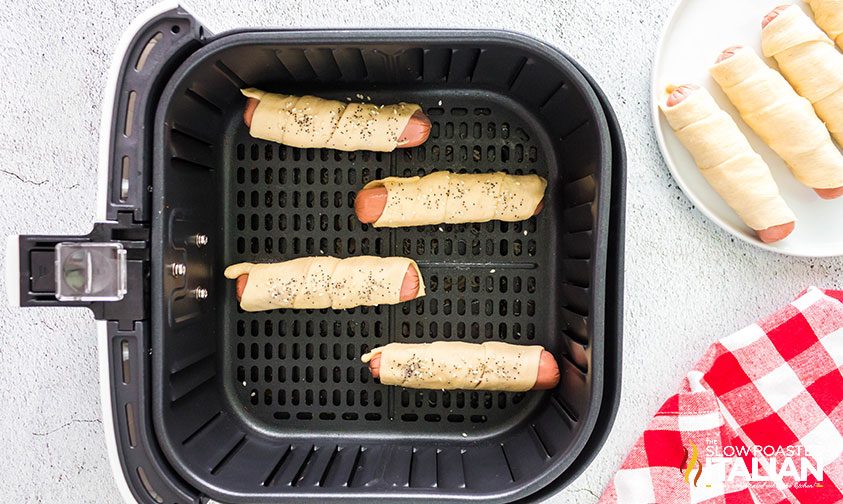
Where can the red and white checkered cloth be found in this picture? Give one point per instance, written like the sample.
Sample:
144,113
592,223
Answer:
774,389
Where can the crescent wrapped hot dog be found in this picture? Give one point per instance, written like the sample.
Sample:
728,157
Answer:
324,282
829,16
310,121
723,154
783,119
453,198
451,365
809,61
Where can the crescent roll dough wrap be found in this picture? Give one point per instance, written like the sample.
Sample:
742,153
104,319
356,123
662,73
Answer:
454,198
723,154
309,121
783,119
453,365
323,282
809,61
829,16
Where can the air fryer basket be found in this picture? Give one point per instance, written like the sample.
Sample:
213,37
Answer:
202,400
261,406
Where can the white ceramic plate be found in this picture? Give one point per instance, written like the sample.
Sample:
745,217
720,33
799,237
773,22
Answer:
695,34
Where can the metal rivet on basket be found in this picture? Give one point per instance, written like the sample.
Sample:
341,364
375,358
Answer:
200,240
178,269
200,293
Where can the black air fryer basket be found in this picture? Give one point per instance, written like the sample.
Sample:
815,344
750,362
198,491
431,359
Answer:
208,401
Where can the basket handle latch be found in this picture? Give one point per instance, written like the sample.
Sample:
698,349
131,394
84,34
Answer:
87,271
103,270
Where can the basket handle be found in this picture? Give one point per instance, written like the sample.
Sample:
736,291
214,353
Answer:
102,270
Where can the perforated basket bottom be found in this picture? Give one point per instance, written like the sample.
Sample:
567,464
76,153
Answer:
300,371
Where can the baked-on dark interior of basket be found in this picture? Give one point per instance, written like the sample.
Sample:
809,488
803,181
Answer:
256,406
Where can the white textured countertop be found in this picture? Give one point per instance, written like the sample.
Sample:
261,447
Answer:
687,282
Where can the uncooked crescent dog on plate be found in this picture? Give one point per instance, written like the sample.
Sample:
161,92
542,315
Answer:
449,198
783,119
326,282
313,122
829,16
809,61
723,154
453,365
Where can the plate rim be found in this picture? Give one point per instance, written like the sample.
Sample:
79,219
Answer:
655,117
